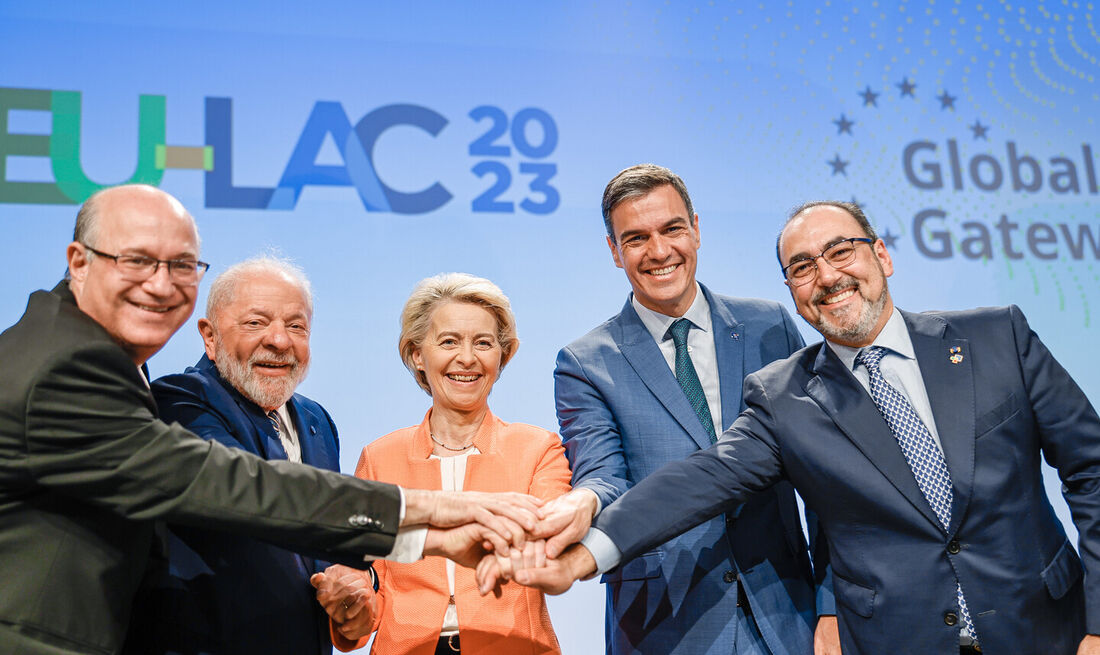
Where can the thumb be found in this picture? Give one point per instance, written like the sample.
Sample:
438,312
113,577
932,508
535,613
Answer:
317,579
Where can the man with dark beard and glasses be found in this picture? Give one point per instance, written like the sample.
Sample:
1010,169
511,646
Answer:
226,593
917,439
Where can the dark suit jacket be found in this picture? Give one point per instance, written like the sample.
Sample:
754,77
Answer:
223,593
623,416
86,468
1001,408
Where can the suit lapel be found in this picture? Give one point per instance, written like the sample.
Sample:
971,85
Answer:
306,425
267,440
950,388
850,407
641,352
729,348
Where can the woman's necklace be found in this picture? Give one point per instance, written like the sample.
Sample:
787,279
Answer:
446,447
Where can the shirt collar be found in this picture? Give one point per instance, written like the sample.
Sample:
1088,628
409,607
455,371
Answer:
894,337
657,324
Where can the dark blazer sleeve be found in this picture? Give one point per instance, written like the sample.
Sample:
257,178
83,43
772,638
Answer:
91,434
1070,432
708,482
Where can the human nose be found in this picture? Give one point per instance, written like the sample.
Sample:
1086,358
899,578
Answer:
659,248
160,282
276,336
466,353
826,272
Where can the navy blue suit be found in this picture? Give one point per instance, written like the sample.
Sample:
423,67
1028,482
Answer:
1001,404
623,416
223,593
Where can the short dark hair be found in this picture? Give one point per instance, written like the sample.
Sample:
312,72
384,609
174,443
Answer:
638,181
852,208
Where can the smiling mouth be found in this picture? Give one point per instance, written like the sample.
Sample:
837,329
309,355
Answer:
832,300
459,377
657,272
151,308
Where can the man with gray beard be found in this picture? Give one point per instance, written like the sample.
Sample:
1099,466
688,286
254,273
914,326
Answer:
225,593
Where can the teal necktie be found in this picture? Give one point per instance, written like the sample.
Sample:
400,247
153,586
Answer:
686,376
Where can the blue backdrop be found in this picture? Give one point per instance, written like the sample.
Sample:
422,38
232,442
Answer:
377,144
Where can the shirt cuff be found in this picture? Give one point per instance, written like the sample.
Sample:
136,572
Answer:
604,551
408,545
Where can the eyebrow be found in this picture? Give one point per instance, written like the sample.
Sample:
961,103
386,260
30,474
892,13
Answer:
805,255
670,222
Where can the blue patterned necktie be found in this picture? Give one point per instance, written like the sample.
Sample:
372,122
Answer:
919,448
686,376
276,422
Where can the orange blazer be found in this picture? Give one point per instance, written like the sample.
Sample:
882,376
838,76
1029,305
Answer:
413,597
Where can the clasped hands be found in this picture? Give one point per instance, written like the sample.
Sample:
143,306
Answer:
550,559
503,536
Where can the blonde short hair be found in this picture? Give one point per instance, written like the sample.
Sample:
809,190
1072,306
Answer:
434,291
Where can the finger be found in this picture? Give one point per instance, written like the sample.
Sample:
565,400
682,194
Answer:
551,580
515,560
317,579
556,544
507,530
540,553
488,574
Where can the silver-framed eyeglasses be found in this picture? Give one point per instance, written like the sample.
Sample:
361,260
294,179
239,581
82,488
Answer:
139,268
838,254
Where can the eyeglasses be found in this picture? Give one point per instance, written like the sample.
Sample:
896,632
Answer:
840,254
139,268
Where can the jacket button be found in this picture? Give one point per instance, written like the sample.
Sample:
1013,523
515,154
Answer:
729,577
950,618
953,547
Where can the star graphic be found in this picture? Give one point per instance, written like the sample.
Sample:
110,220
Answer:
869,96
843,125
906,87
889,239
979,130
947,101
838,165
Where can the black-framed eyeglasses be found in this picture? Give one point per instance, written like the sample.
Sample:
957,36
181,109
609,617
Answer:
839,254
138,268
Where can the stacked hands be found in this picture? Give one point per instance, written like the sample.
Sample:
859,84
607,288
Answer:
503,536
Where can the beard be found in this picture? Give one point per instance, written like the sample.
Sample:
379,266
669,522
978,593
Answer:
855,329
265,392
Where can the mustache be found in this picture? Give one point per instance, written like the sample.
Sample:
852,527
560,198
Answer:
845,283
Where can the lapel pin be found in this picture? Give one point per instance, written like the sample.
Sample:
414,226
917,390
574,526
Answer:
736,336
956,355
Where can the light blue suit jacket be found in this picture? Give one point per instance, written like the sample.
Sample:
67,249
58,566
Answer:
623,416
1001,404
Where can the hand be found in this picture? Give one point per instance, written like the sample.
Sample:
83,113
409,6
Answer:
1090,645
827,636
559,574
466,545
508,515
348,597
566,519
494,569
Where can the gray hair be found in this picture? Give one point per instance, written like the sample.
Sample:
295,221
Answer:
854,210
224,288
432,292
638,181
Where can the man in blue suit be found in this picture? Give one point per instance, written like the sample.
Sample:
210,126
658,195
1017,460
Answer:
652,385
226,593
917,439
